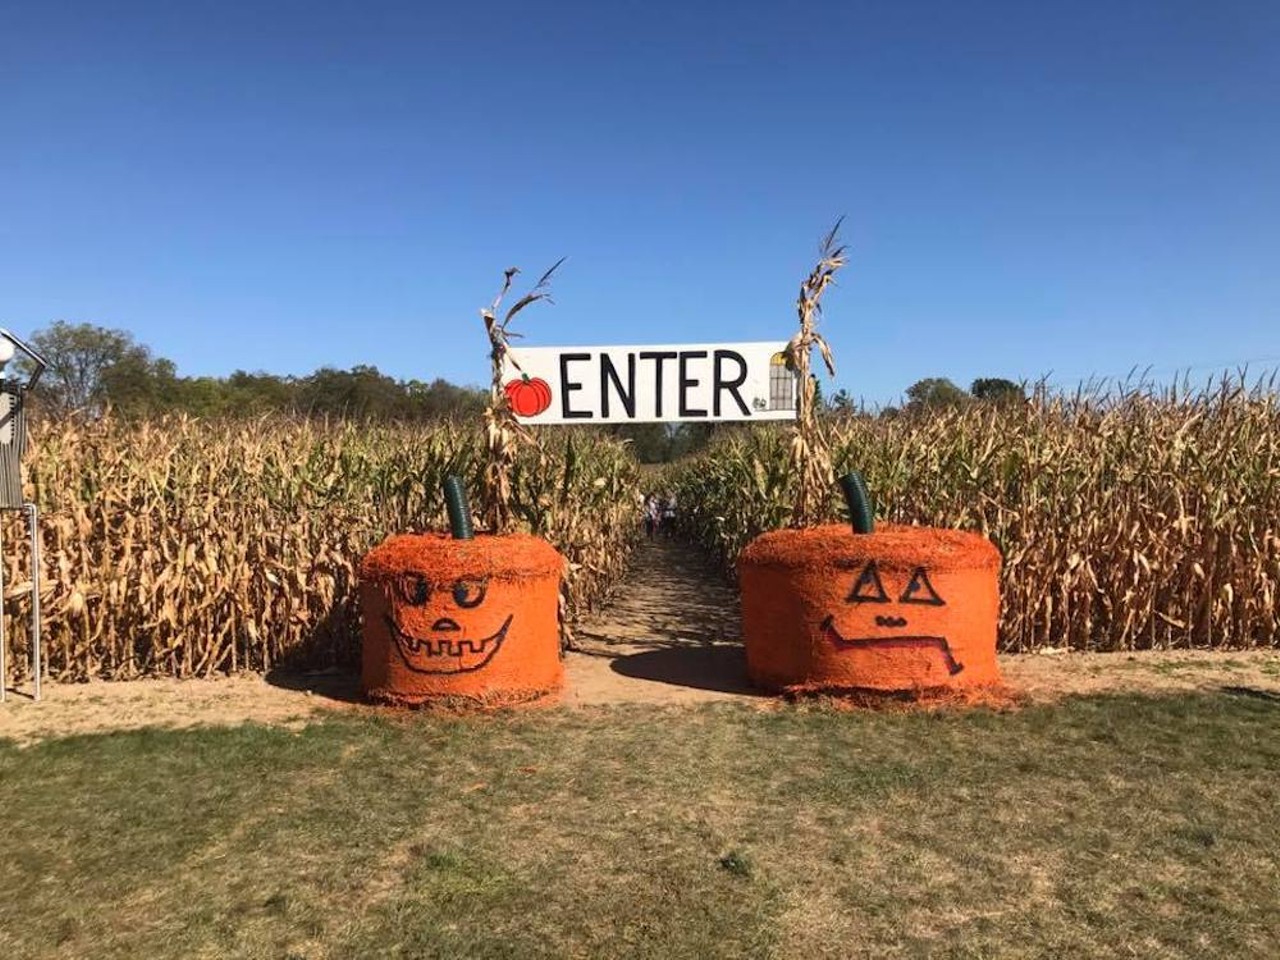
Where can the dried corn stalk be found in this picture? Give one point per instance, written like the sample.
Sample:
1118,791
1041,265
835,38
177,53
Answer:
504,434
810,449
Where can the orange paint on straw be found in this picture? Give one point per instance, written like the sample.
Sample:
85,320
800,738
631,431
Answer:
903,609
461,620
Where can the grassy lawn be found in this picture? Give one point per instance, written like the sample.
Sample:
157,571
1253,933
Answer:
1098,827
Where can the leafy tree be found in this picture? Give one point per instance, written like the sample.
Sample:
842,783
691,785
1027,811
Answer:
440,398
139,384
934,392
86,362
996,390
361,392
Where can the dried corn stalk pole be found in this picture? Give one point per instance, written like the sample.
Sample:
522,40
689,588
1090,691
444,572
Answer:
810,459
504,435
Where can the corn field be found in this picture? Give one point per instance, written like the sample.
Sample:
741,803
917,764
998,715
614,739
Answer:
184,547
1130,520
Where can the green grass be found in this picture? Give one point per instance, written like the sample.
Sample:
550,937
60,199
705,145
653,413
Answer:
1098,827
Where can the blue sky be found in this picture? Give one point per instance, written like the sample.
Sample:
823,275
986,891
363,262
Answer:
1030,188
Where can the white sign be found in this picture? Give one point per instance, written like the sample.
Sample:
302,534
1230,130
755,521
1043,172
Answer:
705,381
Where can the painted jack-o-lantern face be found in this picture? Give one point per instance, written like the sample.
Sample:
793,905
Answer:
460,620
444,628
913,625
903,610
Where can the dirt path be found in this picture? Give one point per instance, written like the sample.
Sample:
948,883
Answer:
669,635
68,709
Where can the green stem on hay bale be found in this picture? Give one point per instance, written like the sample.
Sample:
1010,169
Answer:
862,512
455,500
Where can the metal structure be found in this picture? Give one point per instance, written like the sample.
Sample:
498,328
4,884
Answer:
13,444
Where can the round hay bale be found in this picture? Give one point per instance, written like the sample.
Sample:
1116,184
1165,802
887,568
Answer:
899,610
461,621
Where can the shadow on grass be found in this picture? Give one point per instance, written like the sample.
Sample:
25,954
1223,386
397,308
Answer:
1253,693
720,667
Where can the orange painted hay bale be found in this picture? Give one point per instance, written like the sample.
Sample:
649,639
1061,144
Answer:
461,621
903,609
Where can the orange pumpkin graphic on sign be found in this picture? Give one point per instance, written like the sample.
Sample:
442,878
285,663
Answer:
528,396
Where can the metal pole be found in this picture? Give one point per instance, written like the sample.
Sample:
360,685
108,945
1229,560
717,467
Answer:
34,516
4,660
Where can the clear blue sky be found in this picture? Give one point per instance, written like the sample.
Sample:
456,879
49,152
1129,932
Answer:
1030,187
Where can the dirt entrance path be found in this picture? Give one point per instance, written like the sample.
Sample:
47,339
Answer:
669,635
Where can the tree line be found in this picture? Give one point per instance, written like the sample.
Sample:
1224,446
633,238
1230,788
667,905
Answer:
93,369
936,393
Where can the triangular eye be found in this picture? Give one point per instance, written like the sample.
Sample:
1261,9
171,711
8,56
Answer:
868,589
920,590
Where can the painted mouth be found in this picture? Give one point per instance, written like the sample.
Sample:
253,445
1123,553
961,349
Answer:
892,643
442,655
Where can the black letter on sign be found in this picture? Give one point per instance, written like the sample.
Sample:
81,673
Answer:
686,382
731,385
660,357
628,396
566,386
